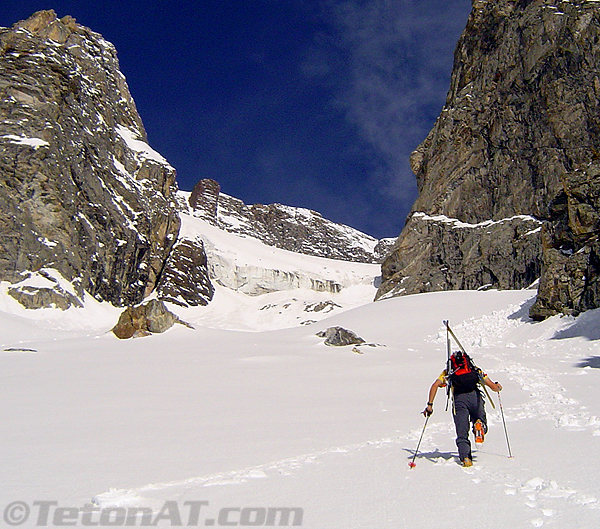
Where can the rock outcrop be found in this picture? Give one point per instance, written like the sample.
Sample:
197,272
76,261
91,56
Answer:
570,281
42,290
522,112
145,319
204,199
185,279
81,191
340,337
437,253
289,228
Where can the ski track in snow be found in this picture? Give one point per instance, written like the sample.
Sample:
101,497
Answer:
545,497
548,497
547,395
484,338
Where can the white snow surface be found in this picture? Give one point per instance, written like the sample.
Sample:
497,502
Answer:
250,411
254,420
143,150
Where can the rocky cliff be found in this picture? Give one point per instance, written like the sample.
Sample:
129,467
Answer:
82,194
86,205
521,115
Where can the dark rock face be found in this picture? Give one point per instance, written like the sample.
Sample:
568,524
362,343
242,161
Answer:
570,281
185,279
43,297
81,191
438,253
522,111
205,198
289,228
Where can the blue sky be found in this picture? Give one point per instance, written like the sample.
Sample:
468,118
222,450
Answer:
311,103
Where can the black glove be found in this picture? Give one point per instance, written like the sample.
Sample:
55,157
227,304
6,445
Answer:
428,411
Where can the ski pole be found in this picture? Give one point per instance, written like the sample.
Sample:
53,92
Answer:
412,464
504,423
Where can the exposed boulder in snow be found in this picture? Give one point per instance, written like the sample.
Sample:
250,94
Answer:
81,191
145,319
289,228
523,110
322,306
338,337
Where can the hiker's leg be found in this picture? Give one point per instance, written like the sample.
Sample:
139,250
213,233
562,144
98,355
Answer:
461,422
479,409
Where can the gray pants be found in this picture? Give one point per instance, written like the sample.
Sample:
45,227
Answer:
468,407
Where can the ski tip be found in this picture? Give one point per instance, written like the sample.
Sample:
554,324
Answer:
412,464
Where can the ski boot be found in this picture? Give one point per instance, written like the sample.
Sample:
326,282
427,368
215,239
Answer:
479,431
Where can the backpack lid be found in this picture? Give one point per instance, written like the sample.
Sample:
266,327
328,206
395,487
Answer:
460,363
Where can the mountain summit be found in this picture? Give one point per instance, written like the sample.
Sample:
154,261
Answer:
81,191
87,206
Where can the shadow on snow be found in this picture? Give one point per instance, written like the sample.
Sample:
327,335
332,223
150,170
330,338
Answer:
592,361
586,325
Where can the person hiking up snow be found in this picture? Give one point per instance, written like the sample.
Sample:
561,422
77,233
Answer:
468,402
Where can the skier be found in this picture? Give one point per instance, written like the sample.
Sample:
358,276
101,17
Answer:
468,401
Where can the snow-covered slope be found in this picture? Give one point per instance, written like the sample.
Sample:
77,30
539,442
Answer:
258,286
247,421
261,287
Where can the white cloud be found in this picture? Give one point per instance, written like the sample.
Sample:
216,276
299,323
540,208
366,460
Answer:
388,63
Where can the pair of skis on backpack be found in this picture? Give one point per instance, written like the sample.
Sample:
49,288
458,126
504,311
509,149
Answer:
461,366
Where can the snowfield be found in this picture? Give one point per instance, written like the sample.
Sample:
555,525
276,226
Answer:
220,427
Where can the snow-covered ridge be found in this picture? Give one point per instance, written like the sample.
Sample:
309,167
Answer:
144,151
293,228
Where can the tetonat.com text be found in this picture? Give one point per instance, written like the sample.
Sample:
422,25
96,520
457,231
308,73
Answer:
172,514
